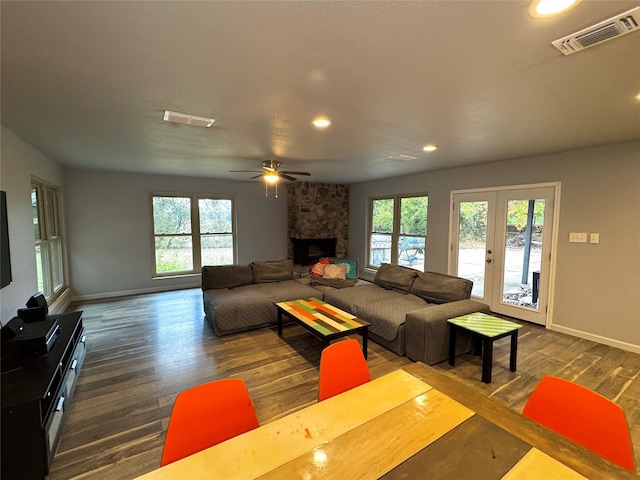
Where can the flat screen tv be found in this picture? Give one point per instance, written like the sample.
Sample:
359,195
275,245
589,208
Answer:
5,256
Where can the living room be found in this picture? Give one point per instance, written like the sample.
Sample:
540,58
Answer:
107,221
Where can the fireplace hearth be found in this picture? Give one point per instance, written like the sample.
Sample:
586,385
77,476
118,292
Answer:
307,251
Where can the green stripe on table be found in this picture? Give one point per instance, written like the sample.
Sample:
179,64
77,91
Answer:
484,324
321,328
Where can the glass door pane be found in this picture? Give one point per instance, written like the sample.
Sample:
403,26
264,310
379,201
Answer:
524,218
523,249
473,251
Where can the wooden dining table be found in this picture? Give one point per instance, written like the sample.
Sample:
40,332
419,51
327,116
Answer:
410,424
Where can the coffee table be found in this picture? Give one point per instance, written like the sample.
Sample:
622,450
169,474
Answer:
485,329
323,320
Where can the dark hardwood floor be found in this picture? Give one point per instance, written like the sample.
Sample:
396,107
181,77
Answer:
143,350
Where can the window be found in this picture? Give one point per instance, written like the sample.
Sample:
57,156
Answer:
190,231
50,269
398,231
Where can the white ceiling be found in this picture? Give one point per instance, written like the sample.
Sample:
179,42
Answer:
87,84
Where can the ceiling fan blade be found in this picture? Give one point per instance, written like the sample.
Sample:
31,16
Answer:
296,173
288,177
244,171
257,176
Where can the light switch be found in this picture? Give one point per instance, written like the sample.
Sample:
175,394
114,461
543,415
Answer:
594,238
577,237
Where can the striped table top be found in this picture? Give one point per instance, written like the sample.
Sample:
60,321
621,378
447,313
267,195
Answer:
321,316
398,426
485,324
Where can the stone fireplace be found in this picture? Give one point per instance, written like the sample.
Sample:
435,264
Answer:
318,220
307,251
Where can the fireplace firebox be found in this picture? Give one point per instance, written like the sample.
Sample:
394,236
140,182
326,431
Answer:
307,251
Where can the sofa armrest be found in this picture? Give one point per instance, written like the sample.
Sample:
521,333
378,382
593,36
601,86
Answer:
427,332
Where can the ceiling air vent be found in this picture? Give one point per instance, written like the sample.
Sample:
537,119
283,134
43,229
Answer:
617,26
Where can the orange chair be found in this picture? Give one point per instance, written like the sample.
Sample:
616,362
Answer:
342,367
206,415
583,416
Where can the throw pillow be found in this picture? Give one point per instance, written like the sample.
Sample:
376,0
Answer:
352,266
335,271
318,269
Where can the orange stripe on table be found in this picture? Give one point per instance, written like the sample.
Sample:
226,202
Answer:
303,312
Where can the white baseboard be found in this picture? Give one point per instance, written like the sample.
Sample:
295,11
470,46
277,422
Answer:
596,338
127,293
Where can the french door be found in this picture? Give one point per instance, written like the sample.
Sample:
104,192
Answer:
501,240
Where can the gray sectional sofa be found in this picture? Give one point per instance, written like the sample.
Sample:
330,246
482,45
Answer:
407,309
242,297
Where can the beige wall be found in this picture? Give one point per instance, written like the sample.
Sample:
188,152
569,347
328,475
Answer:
18,162
597,288
109,229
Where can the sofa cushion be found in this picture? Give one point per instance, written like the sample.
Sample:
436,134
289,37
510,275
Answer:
334,282
348,298
386,316
281,291
272,271
225,276
395,277
441,288
236,310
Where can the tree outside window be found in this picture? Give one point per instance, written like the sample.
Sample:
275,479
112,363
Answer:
191,231
398,231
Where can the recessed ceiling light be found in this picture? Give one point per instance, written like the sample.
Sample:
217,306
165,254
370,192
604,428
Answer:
546,8
429,148
321,122
638,96
187,119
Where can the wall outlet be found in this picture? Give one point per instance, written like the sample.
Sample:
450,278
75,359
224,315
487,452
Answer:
594,238
577,237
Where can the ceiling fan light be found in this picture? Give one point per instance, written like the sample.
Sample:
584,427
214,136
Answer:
271,177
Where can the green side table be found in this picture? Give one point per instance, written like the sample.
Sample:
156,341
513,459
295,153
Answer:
485,329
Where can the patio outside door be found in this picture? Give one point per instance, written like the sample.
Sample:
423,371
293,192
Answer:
501,240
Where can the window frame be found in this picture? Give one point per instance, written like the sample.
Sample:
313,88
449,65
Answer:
50,241
396,227
195,234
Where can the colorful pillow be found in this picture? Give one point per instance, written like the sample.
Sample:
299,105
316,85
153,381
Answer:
318,269
335,271
352,266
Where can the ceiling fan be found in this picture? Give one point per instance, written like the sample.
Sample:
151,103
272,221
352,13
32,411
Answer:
272,173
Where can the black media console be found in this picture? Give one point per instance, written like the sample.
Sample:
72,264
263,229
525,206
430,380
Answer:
35,399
